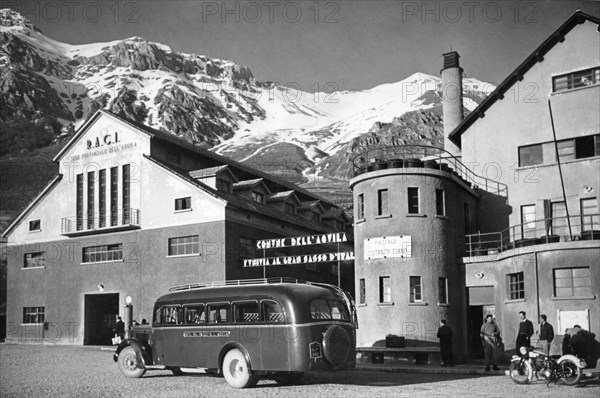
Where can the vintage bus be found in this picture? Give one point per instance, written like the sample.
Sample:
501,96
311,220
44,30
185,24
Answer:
245,330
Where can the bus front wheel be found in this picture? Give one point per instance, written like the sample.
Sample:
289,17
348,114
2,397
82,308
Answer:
236,370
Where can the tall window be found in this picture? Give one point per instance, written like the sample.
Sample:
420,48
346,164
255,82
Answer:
528,221
223,185
114,198
184,245
440,202
443,290
559,218
258,197
589,214
247,248
126,194
360,208
415,289
382,202
516,286
91,195
103,253
183,203
102,198
582,78
362,291
32,260
290,208
413,200
531,155
79,202
572,282
385,289
34,314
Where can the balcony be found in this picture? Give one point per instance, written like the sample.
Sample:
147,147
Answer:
427,157
538,232
122,220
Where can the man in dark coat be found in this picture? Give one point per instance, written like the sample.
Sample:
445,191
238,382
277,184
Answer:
445,335
546,334
120,327
525,331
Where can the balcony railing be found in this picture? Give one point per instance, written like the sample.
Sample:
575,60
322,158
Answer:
96,222
423,156
538,232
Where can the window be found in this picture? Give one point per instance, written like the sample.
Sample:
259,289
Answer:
328,309
32,260
531,155
219,313
91,195
442,290
440,202
79,202
579,148
34,314
589,214
385,289
413,200
582,78
290,208
194,314
35,225
246,312
183,203
415,289
272,312
126,194
169,315
559,218
258,197
360,208
315,217
102,198
247,248
516,286
528,221
382,202
223,185
184,245
114,198
95,254
362,291
572,282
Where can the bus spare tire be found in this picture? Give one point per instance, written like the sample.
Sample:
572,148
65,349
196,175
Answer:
336,345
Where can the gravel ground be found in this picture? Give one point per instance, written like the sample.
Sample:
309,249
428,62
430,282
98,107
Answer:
67,371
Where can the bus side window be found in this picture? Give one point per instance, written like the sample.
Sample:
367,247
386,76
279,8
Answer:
158,316
219,313
319,309
272,312
194,314
245,312
171,315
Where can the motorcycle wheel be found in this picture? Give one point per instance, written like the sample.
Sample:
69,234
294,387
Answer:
571,373
519,372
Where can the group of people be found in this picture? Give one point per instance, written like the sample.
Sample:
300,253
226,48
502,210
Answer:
491,339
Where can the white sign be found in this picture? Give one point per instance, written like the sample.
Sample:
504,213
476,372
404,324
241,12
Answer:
301,259
388,247
569,318
338,237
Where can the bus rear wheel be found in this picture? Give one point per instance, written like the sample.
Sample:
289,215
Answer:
236,370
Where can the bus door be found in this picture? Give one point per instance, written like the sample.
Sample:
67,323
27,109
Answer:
195,336
166,339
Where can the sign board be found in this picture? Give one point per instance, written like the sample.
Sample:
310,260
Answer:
338,237
301,259
388,247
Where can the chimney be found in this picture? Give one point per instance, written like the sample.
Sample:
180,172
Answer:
452,98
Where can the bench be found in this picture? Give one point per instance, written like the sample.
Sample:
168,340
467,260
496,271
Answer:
419,354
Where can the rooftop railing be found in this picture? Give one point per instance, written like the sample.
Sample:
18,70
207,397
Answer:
423,156
536,232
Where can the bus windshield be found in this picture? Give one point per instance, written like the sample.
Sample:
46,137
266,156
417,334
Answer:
328,309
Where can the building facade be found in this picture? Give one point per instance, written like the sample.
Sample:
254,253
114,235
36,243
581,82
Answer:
135,211
504,219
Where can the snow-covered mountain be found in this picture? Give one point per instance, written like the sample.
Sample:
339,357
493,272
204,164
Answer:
209,102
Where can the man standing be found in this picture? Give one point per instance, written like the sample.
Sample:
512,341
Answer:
490,334
546,334
525,331
445,335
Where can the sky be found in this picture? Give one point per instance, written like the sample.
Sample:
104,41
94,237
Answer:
346,44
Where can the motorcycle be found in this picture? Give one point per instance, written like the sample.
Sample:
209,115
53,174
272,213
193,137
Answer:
530,363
